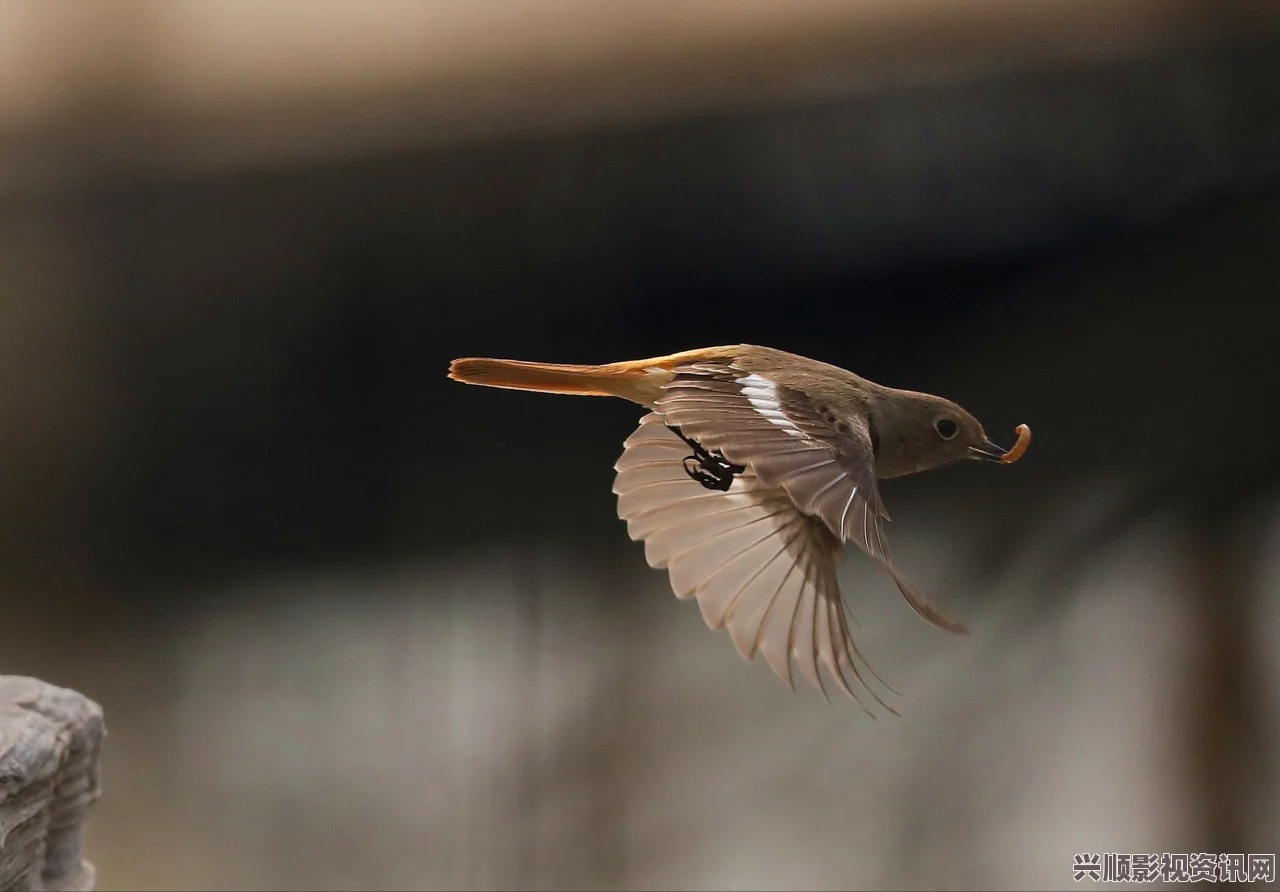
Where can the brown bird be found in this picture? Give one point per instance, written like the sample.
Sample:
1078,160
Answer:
751,471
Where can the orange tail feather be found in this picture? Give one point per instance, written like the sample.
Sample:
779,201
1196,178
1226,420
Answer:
639,380
584,380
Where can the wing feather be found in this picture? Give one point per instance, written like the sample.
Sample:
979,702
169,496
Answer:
756,564
789,440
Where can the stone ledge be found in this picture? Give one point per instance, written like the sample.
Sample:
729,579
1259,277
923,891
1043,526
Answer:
50,739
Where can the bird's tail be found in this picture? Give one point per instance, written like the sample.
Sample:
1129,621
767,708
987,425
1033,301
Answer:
639,380
616,379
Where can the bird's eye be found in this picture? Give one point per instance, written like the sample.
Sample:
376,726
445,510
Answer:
946,428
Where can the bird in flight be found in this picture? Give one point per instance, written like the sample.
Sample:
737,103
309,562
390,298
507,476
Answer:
751,471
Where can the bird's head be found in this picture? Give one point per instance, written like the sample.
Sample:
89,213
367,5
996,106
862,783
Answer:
918,431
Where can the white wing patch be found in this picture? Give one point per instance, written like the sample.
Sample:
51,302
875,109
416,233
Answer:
755,564
763,396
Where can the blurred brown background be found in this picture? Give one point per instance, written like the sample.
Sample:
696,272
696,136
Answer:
356,626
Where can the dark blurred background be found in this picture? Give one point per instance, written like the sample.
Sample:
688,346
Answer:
356,626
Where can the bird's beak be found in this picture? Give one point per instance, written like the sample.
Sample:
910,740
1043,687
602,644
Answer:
988,451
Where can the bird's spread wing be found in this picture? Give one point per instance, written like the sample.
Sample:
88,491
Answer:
823,461
740,546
